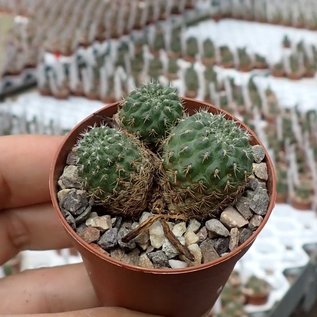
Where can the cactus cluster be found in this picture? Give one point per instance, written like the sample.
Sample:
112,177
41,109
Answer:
150,111
115,169
201,166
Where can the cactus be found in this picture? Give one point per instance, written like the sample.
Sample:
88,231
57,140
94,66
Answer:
226,55
155,68
115,169
244,58
175,45
150,111
191,47
207,160
286,41
159,41
191,79
172,66
209,48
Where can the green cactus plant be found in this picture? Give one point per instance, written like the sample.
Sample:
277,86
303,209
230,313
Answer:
244,58
150,111
207,160
191,79
191,47
286,41
226,56
115,169
155,68
176,45
159,41
209,48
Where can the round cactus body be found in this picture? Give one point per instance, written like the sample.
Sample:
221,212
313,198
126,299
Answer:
150,111
207,160
115,169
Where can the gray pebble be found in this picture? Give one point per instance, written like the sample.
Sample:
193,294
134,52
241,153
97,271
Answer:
232,218
252,183
109,239
260,201
234,238
69,218
221,245
260,171
208,251
75,201
255,222
216,228
70,178
71,158
169,249
83,216
158,258
202,234
130,245
243,206
258,153
118,222
245,234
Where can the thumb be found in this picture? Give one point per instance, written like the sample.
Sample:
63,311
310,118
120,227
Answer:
94,312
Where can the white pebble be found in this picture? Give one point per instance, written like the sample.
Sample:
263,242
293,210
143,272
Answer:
157,236
190,237
176,264
179,229
194,225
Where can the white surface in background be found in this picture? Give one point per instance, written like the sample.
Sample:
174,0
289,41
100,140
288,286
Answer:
264,39
39,259
279,246
288,92
66,113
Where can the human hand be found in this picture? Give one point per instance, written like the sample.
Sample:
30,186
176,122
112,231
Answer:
28,222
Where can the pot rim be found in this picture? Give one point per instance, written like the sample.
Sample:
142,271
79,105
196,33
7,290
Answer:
106,257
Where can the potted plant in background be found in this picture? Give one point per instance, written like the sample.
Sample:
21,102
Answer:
208,58
131,203
256,290
226,57
191,49
260,62
245,61
172,69
191,82
278,70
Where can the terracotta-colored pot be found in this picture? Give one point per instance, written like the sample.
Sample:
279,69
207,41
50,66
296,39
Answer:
256,299
299,203
188,292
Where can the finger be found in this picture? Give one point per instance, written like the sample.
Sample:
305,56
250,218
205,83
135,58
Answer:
24,168
30,228
94,312
49,290
54,290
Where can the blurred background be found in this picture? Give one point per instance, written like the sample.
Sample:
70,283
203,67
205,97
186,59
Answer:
62,60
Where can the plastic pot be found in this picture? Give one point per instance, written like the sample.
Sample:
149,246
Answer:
188,292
